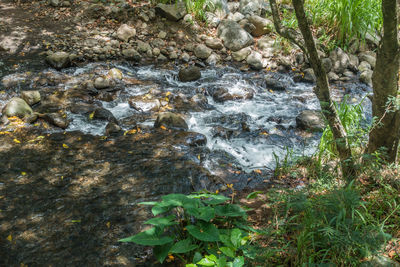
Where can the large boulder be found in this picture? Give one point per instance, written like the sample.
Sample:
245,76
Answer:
17,107
251,7
340,60
171,120
31,97
368,58
58,60
189,74
278,82
241,54
234,36
310,120
172,12
56,119
261,25
125,32
366,77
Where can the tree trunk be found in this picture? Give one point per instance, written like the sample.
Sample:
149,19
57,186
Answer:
385,82
323,93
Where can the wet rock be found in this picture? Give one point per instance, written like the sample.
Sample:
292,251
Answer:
171,121
310,120
113,129
189,74
199,102
172,12
222,95
201,51
31,97
115,74
82,108
366,77
241,54
195,139
101,83
222,132
213,59
125,32
278,82
333,77
233,36
131,54
56,119
58,60
17,107
262,26
214,43
255,60
103,114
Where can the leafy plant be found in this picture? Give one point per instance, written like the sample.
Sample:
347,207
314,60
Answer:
201,229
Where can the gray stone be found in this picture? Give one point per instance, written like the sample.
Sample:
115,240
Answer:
309,76
368,58
201,51
113,129
58,60
233,36
340,60
255,60
213,59
189,74
125,32
143,47
241,54
333,77
310,120
250,7
262,25
380,261
101,83
31,97
278,82
366,77
214,43
156,52
171,121
56,119
172,12
212,19
131,54
54,3
237,16
364,65
17,107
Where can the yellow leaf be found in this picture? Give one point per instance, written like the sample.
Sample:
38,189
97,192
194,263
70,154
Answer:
198,157
75,221
5,133
16,141
167,99
9,238
133,131
271,91
168,93
258,171
65,146
108,224
163,127
23,173
91,115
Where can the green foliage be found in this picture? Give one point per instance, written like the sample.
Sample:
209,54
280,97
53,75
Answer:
201,229
347,19
352,118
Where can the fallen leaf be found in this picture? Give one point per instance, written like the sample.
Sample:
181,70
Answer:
65,146
17,141
9,238
108,224
23,173
163,127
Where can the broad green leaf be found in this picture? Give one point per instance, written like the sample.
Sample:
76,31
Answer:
212,257
161,252
197,257
162,221
183,246
236,237
203,213
229,210
163,206
226,240
206,262
254,194
204,231
191,265
238,262
221,262
180,200
148,238
228,251
215,199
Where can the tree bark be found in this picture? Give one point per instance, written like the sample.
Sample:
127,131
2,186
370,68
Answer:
385,85
322,89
